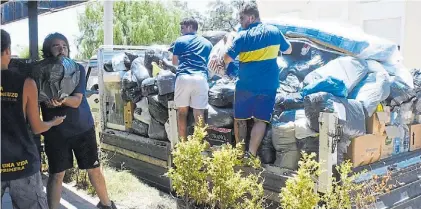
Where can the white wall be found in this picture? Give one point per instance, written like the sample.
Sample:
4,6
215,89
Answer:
395,20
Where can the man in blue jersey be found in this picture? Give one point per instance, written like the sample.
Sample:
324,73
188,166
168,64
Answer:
191,54
257,46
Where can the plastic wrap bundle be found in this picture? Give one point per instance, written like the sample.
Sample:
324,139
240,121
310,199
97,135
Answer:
220,117
417,104
288,101
157,130
350,113
157,110
266,150
328,85
222,93
217,56
120,62
306,56
290,84
351,40
131,95
402,84
163,99
149,87
403,114
139,71
302,127
416,74
165,82
56,78
140,128
141,112
347,69
286,116
373,89
214,36
285,144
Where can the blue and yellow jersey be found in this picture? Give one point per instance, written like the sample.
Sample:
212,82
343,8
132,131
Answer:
257,48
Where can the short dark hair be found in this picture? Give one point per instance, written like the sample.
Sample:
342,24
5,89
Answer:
190,22
5,40
250,8
48,43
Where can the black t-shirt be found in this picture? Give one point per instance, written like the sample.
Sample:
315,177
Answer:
19,153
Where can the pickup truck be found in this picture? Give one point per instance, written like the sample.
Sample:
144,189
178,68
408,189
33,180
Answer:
149,159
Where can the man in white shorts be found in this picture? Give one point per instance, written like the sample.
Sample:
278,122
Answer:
191,54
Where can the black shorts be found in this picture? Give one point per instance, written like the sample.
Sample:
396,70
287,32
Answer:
60,151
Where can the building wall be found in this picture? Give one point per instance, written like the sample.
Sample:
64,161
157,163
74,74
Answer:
395,20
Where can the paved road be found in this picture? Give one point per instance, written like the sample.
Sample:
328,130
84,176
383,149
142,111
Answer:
71,199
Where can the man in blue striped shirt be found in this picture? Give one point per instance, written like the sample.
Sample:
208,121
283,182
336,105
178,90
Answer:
258,46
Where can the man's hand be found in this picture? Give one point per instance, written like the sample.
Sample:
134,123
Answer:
57,120
55,103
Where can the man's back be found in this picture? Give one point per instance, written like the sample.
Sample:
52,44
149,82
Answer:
193,54
19,153
258,48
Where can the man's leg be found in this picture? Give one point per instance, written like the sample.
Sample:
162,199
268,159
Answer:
85,148
27,193
257,134
54,189
98,182
182,94
60,158
240,130
182,113
200,99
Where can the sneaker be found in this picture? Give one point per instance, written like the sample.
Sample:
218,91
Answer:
248,158
101,206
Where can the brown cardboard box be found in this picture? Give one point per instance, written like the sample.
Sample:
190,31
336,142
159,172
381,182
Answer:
377,122
415,138
365,149
386,147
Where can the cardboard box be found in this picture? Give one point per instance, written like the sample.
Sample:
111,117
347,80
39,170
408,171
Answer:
365,149
376,124
415,137
386,147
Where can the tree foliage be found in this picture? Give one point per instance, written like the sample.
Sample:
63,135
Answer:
142,22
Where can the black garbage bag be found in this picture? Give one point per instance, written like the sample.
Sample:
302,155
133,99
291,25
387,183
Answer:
416,74
163,99
214,36
131,56
132,94
140,128
165,82
128,80
157,110
157,130
121,62
289,101
157,55
139,71
108,66
220,117
400,92
266,151
149,87
222,93
350,113
57,78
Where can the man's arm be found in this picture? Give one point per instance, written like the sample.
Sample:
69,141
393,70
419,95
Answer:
234,46
175,60
31,109
286,47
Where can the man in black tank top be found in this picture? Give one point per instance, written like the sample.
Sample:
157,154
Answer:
20,163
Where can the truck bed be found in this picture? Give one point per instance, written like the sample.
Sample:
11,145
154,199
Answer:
149,159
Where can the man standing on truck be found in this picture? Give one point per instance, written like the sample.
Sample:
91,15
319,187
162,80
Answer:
75,136
257,45
191,54
20,158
